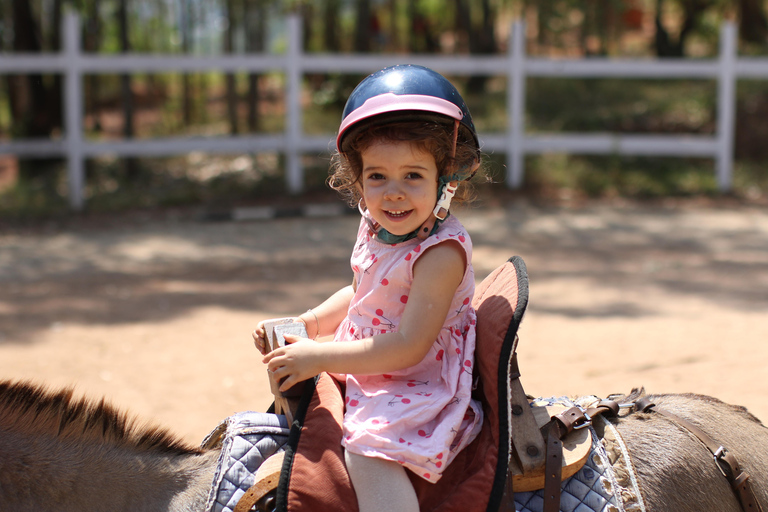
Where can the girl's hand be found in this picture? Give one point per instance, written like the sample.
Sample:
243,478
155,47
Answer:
260,335
296,362
260,338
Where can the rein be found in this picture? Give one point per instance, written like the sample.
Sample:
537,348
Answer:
725,460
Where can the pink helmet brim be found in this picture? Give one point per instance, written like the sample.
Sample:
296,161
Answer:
390,102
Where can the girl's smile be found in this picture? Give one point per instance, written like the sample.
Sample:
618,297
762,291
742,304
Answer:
399,185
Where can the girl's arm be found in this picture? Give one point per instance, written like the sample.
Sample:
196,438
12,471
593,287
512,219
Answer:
327,317
436,276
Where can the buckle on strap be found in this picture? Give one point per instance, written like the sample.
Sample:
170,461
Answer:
583,422
574,418
720,462
444,203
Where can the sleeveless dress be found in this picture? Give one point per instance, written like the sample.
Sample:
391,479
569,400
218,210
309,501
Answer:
424,415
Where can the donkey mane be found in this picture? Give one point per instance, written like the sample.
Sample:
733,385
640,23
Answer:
25,407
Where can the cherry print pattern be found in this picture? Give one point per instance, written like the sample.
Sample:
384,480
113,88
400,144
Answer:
378,321
373,261
467,367
421,412
438,462
353,402
398,399
464,304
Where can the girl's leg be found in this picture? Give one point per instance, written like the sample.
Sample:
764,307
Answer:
381,485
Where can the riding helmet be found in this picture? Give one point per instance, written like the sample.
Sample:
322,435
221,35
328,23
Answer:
400,93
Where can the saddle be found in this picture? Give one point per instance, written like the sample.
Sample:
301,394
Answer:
509,452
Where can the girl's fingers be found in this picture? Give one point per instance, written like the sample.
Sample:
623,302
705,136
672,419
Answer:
260,342
286,385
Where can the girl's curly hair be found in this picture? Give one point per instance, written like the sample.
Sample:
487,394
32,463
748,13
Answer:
431,135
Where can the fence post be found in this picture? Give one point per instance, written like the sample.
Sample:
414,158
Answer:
516,105
726,104
293,76
73,110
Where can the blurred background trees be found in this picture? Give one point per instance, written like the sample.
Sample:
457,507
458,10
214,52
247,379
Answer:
209,104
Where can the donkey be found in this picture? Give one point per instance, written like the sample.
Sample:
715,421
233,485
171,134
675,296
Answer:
64,454
60,453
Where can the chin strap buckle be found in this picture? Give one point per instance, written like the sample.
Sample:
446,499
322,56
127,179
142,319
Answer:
444,203
441,210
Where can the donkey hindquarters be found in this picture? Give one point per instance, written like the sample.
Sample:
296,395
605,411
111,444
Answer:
676,472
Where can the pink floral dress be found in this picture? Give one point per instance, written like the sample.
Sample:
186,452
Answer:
424,415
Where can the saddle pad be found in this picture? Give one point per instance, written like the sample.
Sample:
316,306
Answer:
594,488
247,439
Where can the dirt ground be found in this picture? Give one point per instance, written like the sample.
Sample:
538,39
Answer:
155,313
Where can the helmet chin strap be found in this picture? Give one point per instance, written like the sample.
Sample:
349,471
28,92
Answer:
446,191
447,186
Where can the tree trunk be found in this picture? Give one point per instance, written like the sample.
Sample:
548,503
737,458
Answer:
230,78
482,40
362,39
753,25
331,26
54,96
125,80
31,116
421,38
665,46
256,27
185,27
394,39
91,44
130,166
462,25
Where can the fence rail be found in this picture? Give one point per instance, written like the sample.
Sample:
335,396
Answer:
515,65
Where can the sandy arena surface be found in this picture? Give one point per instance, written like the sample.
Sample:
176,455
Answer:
156,314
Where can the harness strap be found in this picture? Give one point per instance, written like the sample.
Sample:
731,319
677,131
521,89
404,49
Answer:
253,496
557,429
725,460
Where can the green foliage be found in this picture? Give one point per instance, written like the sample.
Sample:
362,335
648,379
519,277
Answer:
611,176
564,27
621,105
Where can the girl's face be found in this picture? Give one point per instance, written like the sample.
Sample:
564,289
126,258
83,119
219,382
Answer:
399,185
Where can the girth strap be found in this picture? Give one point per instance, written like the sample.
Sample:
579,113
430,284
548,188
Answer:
557,429
725,460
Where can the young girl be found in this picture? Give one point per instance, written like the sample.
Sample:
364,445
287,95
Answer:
404,331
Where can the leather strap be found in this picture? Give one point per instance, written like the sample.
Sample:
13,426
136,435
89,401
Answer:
251,498
508,497
553,468
725,460
557,429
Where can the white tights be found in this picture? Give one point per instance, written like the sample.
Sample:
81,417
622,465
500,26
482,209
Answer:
381,485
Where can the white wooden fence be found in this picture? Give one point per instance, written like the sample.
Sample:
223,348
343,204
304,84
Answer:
72,63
